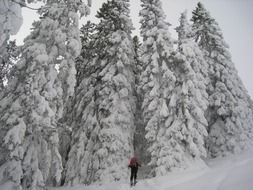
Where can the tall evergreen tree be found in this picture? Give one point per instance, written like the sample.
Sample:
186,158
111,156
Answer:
139,139
116,98
140,142
157,79
103,138
32,104
230,116
82,117
183,140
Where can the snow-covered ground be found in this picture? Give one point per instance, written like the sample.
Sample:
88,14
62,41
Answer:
234,173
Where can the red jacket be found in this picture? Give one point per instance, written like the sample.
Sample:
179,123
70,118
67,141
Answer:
134,162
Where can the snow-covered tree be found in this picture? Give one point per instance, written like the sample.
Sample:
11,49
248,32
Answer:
102,140
84,67
33,101
82,116
7,61
88,51
85,128
10,20
229,114
183,138
157,79
140,144
137,53
116,100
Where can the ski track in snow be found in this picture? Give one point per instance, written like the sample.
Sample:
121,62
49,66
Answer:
233,173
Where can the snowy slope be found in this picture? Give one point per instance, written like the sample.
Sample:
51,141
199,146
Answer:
235,173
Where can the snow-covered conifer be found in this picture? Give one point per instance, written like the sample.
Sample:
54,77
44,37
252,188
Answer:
140,142
182,141
229,114
85,128
10,20
32,103
157,79
137,53
8,59
103,138
82,117
139,138
88,51
116,101
71,118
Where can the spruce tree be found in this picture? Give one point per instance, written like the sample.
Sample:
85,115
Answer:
103,138
183,140
229,114
116,97
88,51
157,79
139,138
33,101
83,112
140,142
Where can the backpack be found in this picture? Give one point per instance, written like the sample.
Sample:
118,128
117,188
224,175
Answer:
133,162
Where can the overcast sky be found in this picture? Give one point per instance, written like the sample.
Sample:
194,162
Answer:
233,16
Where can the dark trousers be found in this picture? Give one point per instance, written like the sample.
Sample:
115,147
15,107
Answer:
133,176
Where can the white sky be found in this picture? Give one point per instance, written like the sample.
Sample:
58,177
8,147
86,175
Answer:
233,16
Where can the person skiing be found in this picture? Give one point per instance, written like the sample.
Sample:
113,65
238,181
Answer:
134,164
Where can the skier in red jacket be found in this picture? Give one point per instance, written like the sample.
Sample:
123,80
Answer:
134,164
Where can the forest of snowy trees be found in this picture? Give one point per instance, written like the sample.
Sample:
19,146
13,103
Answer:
76,104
